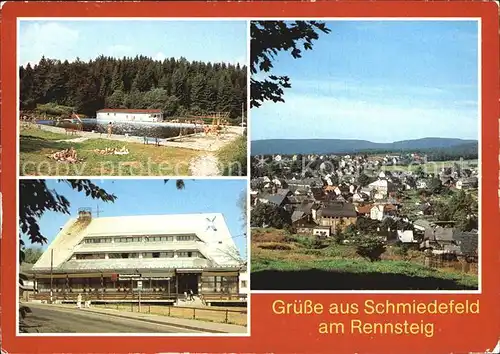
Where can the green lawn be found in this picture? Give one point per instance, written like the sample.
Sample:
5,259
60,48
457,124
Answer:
142,160
35,134
233,157
290,262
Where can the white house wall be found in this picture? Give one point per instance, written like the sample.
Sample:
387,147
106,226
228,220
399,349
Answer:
129,117
244,279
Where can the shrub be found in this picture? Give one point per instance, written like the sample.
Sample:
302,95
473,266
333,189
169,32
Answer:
370,247
310,242
317,244
54,109
275,246
313,252
402,249
339,237
233,157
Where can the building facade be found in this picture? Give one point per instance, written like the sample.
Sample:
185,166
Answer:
160,256
129,115
337,216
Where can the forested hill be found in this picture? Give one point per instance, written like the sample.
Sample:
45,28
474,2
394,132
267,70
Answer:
177,86
438,148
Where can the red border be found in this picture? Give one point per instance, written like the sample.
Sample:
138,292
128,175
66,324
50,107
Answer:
271,333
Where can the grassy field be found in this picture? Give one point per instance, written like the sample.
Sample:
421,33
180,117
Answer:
291,262
233,157
433,166
142,160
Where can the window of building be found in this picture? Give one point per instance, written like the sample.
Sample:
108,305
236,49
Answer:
159,238
133,255
124,255
190,254
243,283
83,256
184,238
114,255
156,254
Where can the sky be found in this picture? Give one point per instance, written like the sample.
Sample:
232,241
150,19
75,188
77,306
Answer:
381,81
145,197
214,41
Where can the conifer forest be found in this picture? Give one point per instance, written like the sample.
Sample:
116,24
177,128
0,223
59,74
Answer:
177,86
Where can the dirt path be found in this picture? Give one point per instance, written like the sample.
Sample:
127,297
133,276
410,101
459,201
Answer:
206,165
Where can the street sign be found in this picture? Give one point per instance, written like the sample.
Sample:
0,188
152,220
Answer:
129,276
139,284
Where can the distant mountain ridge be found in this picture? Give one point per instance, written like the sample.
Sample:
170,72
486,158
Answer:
337,146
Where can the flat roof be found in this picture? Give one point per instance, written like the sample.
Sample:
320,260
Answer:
121,110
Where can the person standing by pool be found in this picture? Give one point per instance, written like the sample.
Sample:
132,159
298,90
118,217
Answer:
110,129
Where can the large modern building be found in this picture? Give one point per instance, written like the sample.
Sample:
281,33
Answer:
129,115
160,256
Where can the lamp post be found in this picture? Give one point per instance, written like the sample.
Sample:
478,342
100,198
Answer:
139,287
51,274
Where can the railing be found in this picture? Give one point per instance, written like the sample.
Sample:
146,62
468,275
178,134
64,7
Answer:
114,295
236,316
103,296
459,265
206,298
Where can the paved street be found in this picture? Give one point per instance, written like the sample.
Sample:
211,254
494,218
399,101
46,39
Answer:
45,319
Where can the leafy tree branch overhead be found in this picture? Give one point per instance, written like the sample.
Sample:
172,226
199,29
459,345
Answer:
36,198
268,38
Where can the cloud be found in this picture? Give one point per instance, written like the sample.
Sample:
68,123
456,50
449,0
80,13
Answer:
338,86
50,39
159,56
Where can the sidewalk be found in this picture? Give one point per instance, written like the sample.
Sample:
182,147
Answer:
197,325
